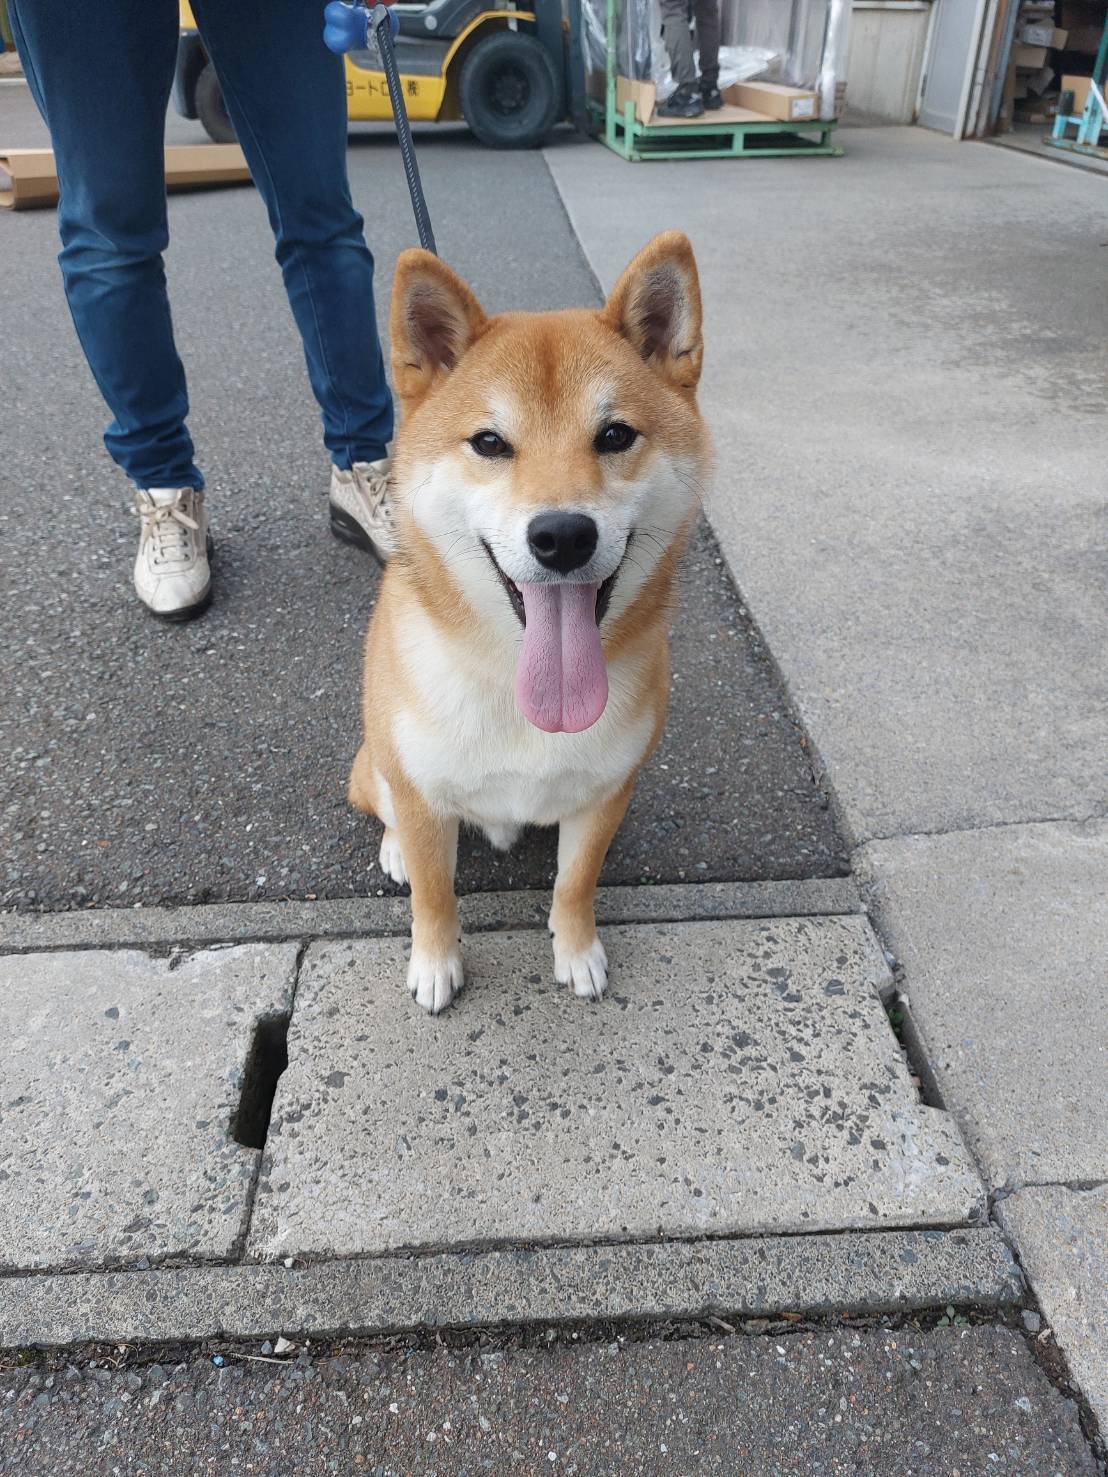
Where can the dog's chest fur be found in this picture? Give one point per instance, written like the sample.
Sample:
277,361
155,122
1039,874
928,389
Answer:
469,751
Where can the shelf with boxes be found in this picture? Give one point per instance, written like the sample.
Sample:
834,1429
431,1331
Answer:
1052,62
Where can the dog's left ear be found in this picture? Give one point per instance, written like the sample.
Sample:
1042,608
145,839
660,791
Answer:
655,305
434,320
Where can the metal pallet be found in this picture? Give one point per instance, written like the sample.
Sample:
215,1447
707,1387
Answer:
627,136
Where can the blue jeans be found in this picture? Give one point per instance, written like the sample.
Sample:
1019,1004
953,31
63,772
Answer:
101,75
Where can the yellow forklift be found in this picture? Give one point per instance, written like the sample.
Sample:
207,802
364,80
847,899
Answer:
509,74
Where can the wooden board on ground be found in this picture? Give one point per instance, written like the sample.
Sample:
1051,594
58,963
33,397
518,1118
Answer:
726,115
28,177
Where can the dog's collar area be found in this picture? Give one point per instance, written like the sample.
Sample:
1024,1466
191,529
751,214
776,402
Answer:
515,594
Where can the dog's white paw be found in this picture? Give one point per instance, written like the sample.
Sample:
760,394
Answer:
587,972
503,835
434,981
392,857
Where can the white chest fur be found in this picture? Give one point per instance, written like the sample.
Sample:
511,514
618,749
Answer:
470,752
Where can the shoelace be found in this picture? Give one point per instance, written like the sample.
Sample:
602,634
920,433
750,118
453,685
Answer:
375,485
166,525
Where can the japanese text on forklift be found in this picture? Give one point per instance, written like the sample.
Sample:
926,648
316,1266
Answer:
503,71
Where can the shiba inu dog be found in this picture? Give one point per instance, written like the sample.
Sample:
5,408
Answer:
547,473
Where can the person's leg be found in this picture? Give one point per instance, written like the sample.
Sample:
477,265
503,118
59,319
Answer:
285,95
678,39
101,76
707,41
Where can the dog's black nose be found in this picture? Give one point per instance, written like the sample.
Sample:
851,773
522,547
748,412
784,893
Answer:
562,541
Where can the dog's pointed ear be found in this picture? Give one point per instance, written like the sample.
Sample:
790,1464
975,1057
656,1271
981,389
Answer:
655,305
434,320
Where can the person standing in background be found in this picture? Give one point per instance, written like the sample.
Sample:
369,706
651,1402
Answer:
692,94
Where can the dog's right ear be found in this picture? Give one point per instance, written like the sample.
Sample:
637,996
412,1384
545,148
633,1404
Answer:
434,320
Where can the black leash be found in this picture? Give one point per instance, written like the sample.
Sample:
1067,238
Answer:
349,27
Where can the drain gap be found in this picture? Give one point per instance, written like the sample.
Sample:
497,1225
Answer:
267,1059
908,1038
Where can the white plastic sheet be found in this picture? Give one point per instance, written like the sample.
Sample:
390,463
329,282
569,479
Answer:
768,40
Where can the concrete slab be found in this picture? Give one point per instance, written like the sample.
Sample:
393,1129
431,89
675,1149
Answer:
120,1077
343,917
872,1402
1003,935
1062,1237
888,1271
911,454
740,1077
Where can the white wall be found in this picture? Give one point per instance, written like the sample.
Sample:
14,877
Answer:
887,43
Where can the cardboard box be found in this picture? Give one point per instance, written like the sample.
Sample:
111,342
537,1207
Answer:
789,104
28,177
1079,86
1044,35
1029,57
1038,82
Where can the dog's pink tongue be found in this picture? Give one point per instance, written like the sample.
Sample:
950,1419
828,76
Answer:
561,682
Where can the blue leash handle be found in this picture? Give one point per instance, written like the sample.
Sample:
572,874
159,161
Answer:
348,27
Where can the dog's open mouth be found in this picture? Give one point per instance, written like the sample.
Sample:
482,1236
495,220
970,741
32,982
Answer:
561,682
515,594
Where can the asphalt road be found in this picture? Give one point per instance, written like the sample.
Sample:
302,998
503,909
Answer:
950,1403
141,764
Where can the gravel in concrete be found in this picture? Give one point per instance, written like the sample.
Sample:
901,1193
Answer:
861,1272
225,922
911,451
141,764
1003,935
881,1403
1062,1236
120,1077
740,1077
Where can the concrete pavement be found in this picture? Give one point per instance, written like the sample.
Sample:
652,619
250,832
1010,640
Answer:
912,501
911,455
933,602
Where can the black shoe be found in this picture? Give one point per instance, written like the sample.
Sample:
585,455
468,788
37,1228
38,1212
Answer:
710,95
684,103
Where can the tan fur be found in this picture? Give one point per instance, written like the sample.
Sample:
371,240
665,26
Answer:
642,352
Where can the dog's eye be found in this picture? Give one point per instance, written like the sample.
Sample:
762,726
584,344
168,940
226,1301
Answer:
615,437
488,443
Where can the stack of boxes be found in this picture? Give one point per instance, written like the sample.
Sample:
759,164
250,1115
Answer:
1031,73
1048,59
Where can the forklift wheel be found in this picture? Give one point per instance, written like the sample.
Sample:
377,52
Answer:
211,109
509,91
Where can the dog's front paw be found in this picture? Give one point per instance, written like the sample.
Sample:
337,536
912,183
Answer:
434,980
586,971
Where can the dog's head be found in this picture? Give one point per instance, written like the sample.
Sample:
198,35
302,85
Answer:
549,464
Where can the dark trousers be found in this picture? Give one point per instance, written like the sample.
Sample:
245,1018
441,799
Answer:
101,75
678,39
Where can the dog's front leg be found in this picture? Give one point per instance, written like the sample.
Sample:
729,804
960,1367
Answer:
583,841
429,843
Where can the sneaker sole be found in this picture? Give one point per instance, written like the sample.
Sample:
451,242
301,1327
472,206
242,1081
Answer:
347,529
188,612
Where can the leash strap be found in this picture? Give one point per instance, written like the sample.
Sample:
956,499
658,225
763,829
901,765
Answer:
348,26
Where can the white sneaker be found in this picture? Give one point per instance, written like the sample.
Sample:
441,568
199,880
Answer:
172,574
360,512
